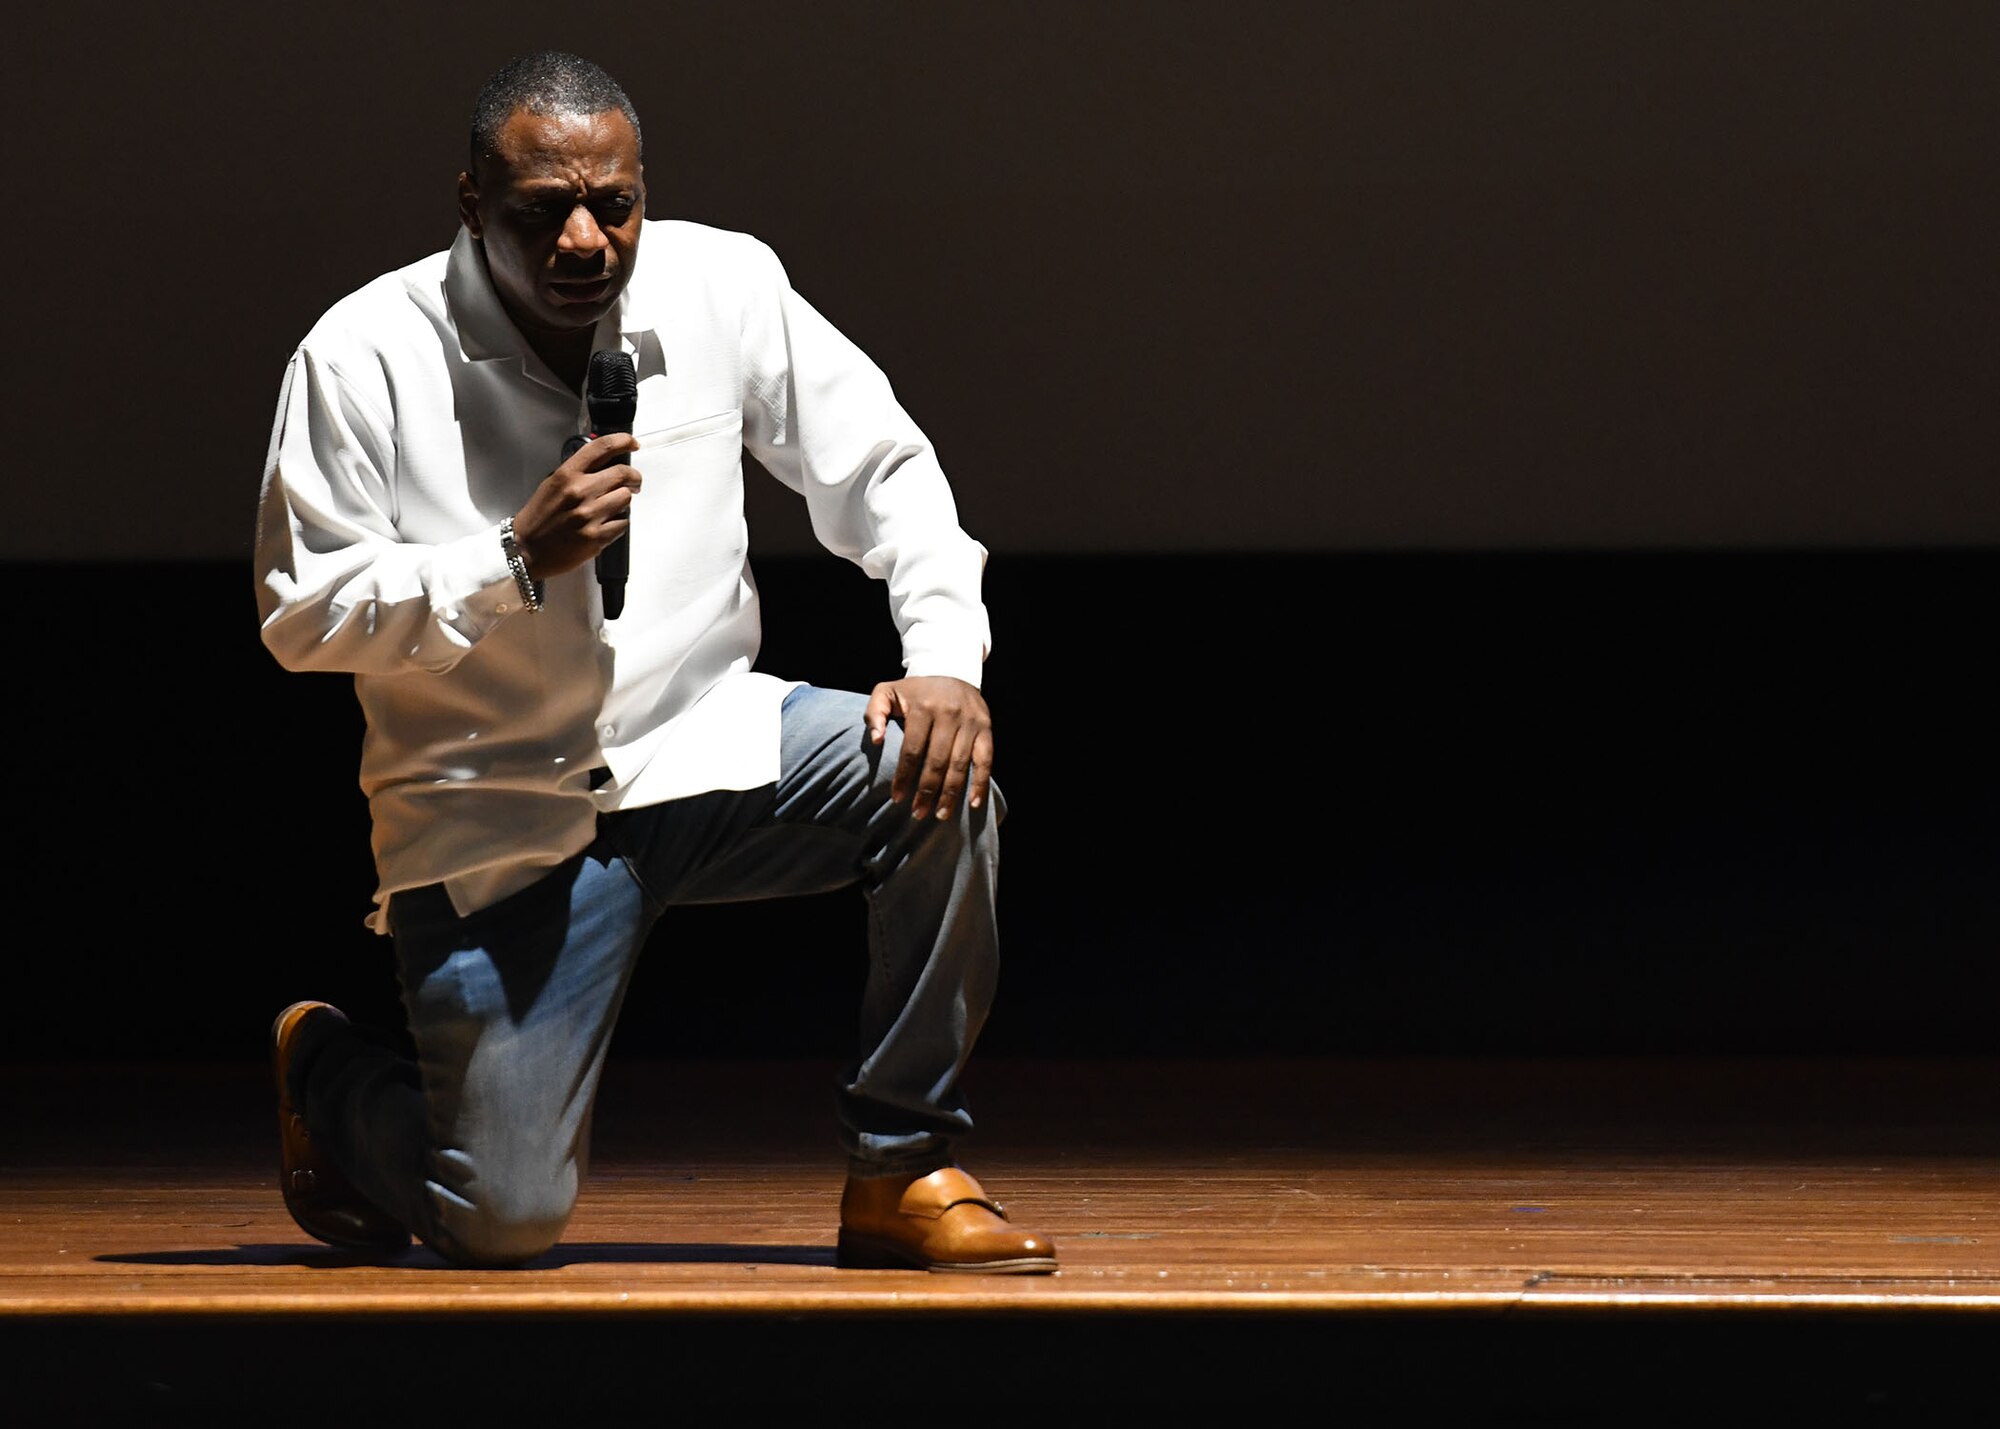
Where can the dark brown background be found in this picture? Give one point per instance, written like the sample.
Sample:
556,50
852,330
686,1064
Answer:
1492,505
1156,276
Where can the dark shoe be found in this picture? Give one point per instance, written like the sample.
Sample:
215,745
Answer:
941,1221
320,1199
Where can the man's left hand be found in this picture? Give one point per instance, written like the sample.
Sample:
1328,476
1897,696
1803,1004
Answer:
947,742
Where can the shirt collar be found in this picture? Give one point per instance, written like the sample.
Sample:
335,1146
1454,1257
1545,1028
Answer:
486,333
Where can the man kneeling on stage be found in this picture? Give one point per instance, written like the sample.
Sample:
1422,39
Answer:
505,492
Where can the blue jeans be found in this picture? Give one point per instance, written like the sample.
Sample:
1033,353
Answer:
479,1147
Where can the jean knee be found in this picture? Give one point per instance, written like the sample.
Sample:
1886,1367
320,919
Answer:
497,1231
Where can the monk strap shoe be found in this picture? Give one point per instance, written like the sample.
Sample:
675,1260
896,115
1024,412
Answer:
941,1220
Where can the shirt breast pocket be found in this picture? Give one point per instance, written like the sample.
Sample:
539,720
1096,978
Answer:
691,499
701,428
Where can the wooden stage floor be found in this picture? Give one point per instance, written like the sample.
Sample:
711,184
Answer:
1566,1239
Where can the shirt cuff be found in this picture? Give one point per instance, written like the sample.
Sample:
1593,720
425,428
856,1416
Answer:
473,588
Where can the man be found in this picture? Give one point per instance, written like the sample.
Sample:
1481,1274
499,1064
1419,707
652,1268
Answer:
544,776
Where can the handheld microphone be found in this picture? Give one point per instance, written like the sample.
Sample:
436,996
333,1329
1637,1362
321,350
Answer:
612,394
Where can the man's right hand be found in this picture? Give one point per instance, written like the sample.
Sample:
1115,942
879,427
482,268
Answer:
580,508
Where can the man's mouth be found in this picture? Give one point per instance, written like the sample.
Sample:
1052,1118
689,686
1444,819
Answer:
580,290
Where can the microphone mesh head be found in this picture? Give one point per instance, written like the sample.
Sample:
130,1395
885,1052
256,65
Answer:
612,377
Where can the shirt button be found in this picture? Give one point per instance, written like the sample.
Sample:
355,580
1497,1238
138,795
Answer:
501,608
609,730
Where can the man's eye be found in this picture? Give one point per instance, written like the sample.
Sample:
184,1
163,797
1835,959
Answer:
615,208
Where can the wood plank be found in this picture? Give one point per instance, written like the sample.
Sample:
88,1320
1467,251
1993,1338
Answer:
1649,1240
1239,1187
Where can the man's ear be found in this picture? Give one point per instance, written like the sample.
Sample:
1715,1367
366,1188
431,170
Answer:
468,204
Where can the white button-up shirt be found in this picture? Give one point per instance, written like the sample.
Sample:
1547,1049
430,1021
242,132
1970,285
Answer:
413,418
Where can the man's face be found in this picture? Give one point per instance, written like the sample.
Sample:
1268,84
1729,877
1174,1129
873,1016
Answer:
558,208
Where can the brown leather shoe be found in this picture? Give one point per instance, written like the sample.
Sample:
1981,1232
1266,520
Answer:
941,1221
320,1199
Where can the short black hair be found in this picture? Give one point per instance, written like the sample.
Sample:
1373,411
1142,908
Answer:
546,82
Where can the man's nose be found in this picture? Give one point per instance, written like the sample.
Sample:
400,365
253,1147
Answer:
581,233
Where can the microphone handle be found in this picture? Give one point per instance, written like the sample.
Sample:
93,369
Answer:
613,562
